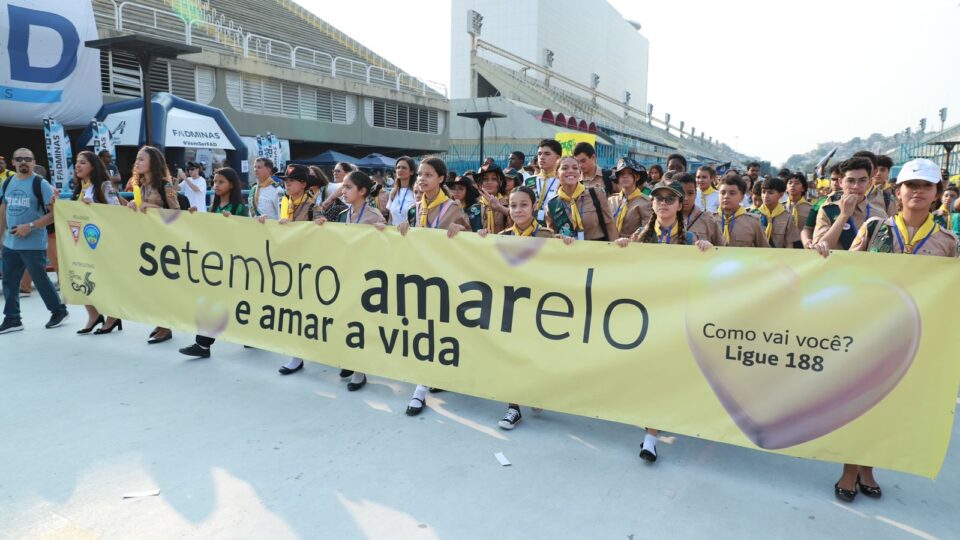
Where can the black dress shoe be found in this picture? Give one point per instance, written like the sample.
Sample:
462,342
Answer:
90,328
284,370
354,386
196,351
345,374
873,492
154,339
117,324
413,411
845,495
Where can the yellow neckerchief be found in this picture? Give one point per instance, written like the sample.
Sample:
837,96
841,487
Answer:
85,184
137,195
948,215
488,211
770,214
572,201
793,209
672,232
426,207
287,209
925,230
529,231
545,190
727,225
703,195
624,203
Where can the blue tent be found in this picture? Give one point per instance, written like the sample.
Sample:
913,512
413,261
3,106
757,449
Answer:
377,161
326,159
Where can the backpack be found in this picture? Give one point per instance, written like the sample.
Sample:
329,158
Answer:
182,200
37,193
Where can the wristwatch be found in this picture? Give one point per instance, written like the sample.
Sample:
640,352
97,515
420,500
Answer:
31,225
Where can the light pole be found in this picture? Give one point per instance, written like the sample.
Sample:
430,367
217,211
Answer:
481,117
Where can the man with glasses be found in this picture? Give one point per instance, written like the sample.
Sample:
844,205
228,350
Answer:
25,211
838,221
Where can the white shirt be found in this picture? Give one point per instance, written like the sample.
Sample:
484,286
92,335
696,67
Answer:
400,205
552,185
713,201
198,199
268,201
110,195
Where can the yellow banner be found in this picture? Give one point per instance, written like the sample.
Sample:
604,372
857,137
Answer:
569,140
846,359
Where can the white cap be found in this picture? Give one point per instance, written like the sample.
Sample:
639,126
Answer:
920,169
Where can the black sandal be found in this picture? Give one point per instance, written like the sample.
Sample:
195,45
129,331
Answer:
873,492
413,411
845,495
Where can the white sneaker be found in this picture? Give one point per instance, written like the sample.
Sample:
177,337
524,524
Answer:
511,419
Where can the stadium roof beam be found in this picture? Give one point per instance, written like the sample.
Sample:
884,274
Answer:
146,49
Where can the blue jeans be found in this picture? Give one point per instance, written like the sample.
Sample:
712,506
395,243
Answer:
15,261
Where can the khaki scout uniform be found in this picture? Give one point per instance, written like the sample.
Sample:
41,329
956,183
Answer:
558,217
704,226
831,210
745,231
638,213
877,235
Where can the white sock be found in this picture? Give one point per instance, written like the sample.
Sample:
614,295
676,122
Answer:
357,377
421,394
294,363
650,443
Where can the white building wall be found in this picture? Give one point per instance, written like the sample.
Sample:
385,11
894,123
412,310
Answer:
586,36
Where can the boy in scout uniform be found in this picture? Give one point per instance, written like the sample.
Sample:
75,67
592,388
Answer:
777,223
797,204
630,207
838,221
739,228
545,184
702,224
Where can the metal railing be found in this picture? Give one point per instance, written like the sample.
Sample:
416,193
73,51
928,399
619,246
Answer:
216,34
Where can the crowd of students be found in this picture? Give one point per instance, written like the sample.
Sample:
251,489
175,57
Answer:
568,198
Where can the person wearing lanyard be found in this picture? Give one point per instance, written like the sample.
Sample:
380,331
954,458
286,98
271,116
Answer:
465,193
912,231
402,198
666,226
631,208
839,221
494,215
699,222
357,189
546,183
227,201
577,212
434,210
94,187
522,201
778,225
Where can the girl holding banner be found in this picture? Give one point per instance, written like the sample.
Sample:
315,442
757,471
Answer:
152,188
92,185
665,227
494,215
357,189
913,231
523,200
227,201
577,212
435,210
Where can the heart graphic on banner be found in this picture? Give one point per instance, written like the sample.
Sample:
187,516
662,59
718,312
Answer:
516,251
212,318
777,406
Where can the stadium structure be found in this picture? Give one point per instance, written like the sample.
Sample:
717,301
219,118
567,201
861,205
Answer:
273,66
506,58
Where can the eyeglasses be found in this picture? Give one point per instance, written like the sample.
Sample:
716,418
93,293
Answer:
23,159
666,199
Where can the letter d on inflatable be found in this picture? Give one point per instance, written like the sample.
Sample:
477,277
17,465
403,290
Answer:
45,70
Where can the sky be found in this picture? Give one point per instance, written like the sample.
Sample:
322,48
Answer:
770,79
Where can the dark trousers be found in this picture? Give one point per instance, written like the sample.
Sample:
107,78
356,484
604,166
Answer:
205,341
15,262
